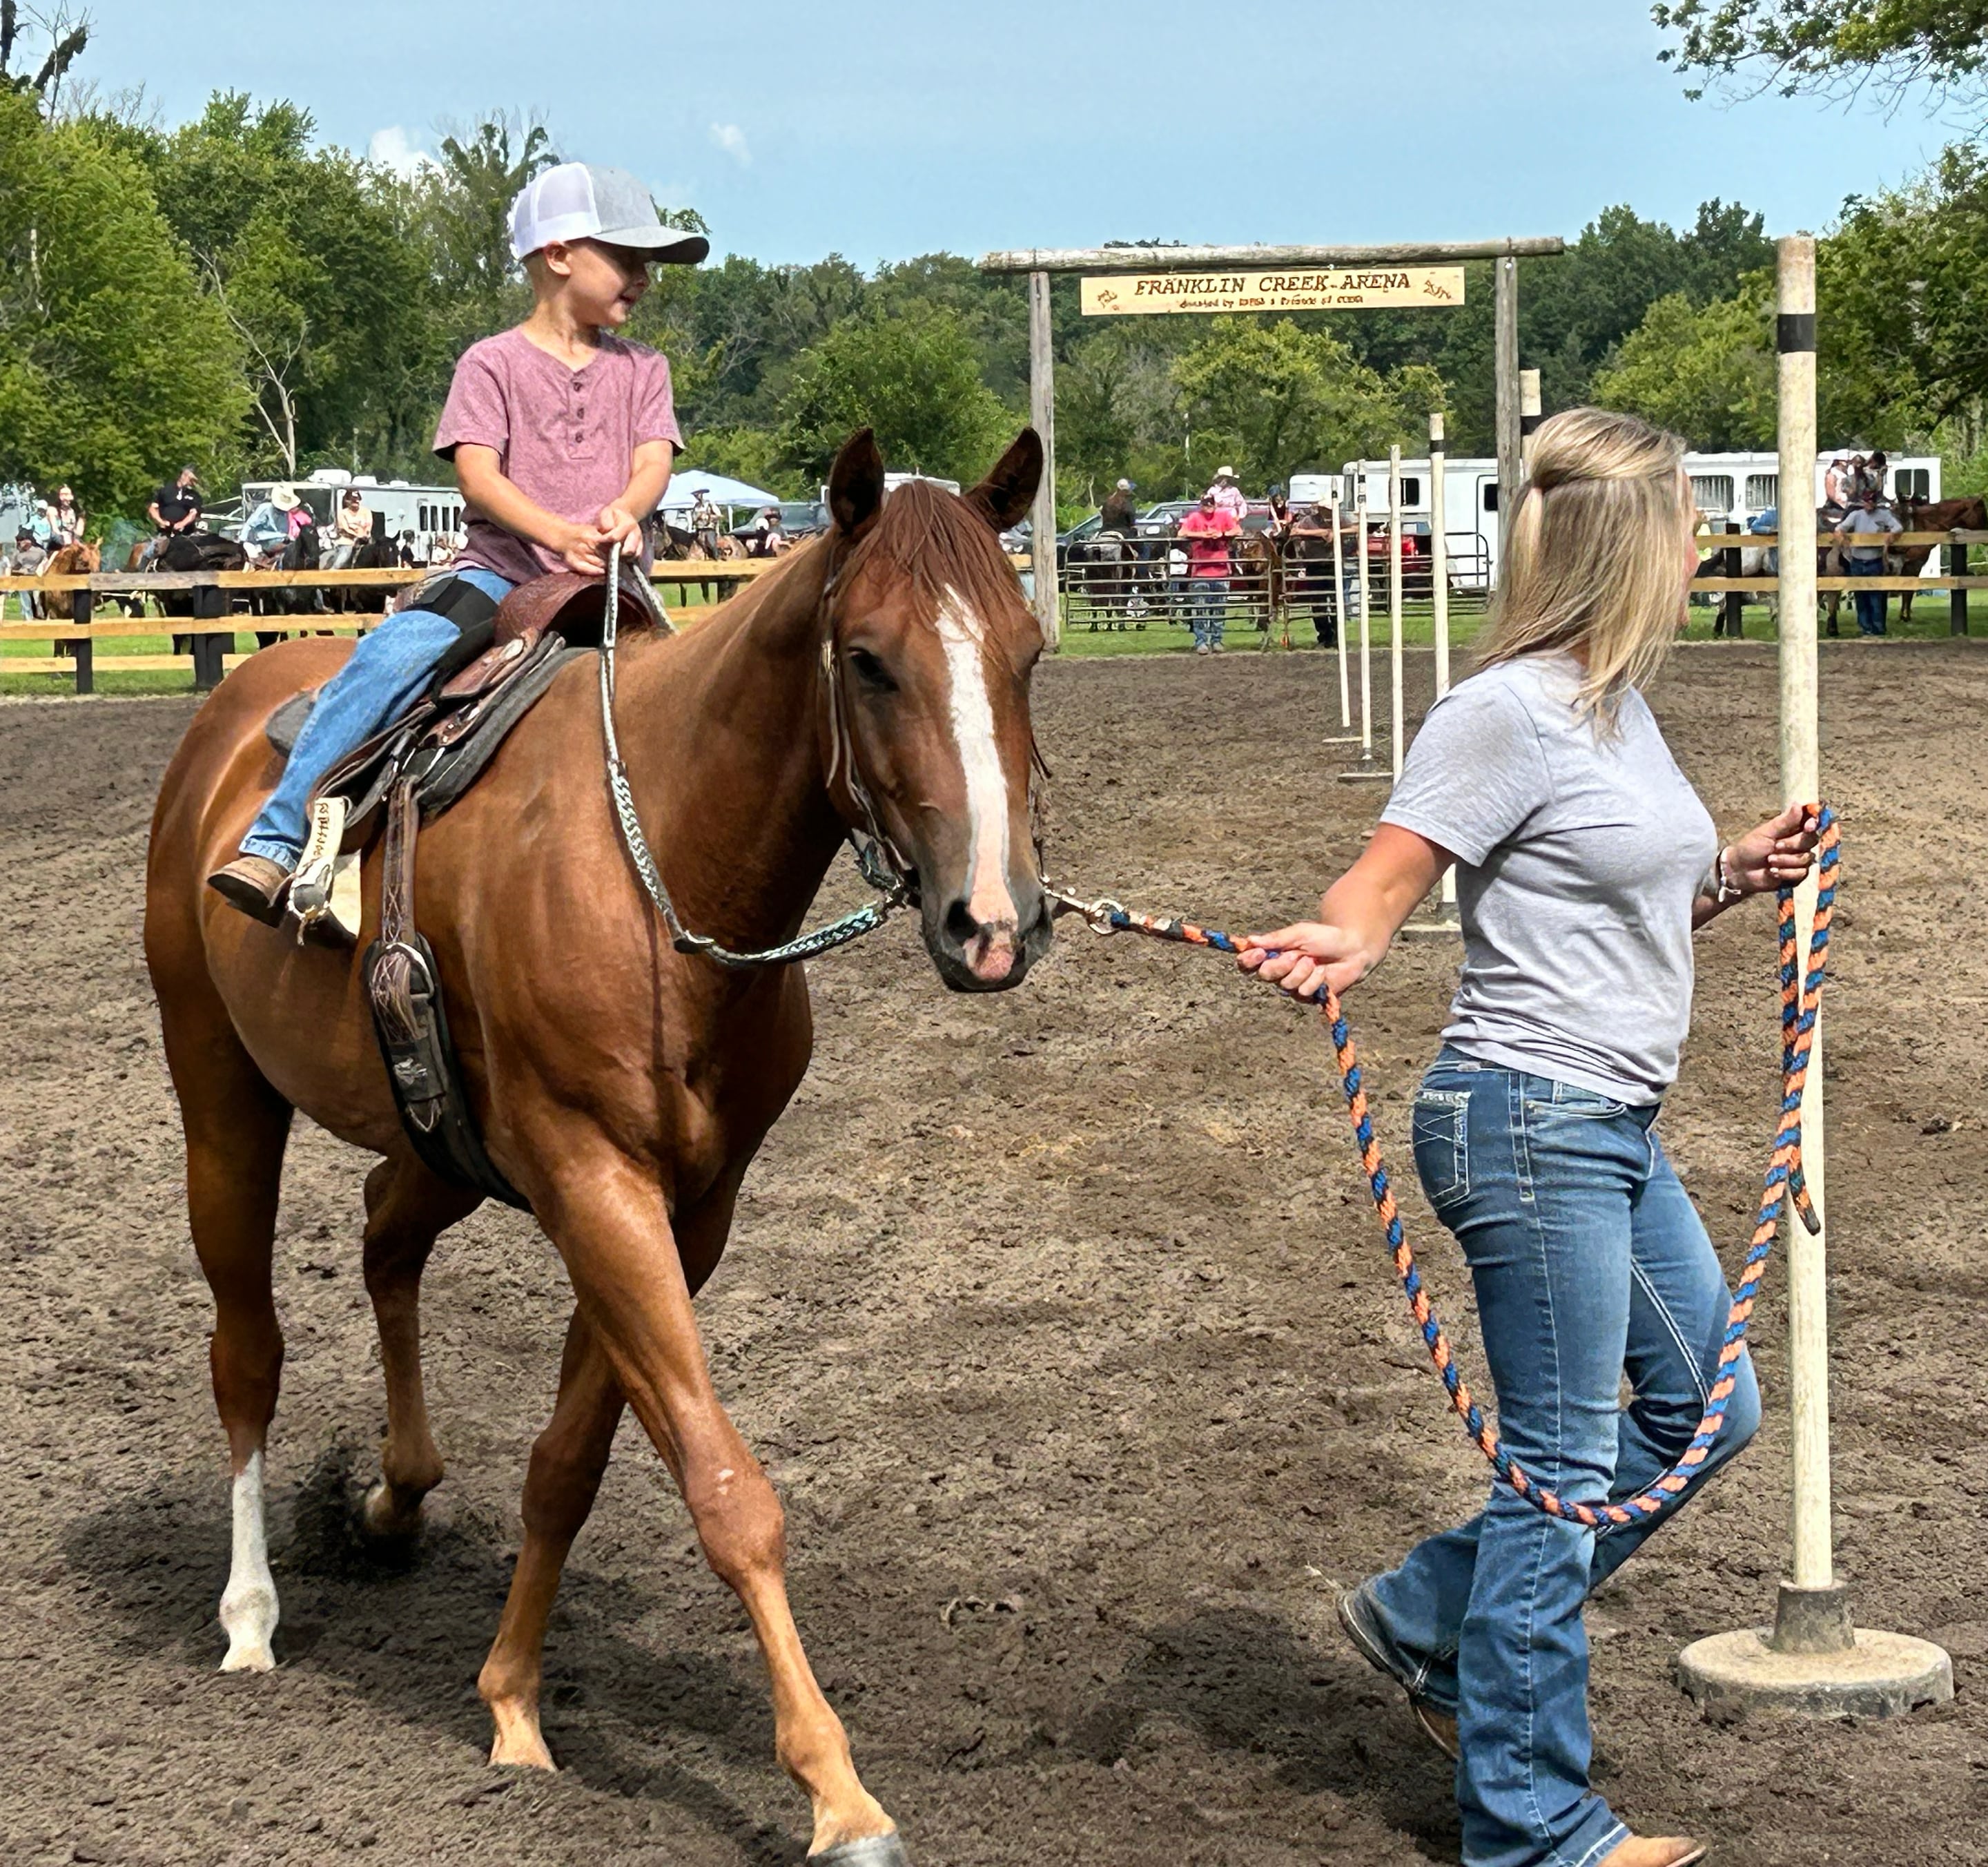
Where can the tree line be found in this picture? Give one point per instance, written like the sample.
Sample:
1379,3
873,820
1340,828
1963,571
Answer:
236,292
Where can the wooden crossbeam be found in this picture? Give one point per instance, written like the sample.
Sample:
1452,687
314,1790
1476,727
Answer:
1735,541
1895,587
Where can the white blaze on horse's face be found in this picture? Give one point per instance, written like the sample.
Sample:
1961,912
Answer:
991,951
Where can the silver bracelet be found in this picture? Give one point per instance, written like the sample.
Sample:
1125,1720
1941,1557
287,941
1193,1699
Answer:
1729,889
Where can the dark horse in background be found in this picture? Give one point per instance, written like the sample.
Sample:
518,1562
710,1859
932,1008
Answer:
879,676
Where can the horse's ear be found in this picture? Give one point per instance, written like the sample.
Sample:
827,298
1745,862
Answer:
856,483
1005,496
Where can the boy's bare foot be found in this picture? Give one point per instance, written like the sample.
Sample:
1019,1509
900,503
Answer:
259,887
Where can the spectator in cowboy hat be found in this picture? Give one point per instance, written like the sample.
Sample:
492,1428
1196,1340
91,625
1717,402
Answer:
266,531
1227,496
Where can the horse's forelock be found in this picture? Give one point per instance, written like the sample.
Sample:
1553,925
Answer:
934,542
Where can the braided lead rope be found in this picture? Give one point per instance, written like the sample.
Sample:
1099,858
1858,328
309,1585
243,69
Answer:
1801,998
851,926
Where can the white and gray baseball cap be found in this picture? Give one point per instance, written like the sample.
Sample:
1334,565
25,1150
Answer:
577,200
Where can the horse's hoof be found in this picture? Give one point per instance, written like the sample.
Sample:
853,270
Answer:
873,1851
381,1520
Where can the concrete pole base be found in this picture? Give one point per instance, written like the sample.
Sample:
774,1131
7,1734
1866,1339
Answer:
1813,1664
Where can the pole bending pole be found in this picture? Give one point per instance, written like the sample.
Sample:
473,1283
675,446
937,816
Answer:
1505,385
1366,768
1394,721
1446,917
1042,413
1814,1660
1345,736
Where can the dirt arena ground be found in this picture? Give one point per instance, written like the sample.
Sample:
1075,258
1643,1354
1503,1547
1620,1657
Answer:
1059,1319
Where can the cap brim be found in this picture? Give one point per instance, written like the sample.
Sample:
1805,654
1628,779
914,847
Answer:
664,245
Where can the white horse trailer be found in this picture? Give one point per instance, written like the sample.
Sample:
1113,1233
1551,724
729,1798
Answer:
434,515
1725,487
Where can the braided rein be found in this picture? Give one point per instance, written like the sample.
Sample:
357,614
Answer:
1801,1000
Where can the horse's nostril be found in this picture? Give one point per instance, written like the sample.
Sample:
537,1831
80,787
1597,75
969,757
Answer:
960,925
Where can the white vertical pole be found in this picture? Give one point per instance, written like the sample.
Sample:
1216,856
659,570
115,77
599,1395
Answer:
1394,602
1505,371
1529,417
1366,643
1808,1322
1439,592
1042,413
1816,1662
1343,736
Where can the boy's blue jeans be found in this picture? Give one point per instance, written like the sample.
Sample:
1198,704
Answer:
388,668
1588,1261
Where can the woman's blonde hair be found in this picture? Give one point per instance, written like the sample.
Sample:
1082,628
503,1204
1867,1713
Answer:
1591,562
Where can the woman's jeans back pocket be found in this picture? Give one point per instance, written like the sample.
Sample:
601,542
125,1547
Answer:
1441,1132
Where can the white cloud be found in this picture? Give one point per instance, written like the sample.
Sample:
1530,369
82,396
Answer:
730,138
391,148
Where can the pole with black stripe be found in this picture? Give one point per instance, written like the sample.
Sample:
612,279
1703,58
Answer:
1814,1662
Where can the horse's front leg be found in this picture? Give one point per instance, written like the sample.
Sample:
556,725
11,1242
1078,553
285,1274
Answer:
608,1219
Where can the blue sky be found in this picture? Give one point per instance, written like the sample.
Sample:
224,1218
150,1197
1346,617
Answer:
882,128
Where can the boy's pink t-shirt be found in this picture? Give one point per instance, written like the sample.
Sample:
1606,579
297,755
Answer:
566,439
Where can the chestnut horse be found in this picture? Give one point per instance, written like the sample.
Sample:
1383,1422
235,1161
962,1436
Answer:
623,1087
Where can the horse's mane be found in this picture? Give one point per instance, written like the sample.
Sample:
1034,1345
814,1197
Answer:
924,535
935,542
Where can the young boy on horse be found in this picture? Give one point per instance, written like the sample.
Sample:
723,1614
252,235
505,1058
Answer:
562,436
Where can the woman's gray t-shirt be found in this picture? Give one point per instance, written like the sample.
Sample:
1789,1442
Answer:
1578,855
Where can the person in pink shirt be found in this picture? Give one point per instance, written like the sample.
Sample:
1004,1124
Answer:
562,436
1208,530
1227,496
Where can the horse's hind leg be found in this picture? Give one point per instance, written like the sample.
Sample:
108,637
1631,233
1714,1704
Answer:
236,1126
560,1483
407,1208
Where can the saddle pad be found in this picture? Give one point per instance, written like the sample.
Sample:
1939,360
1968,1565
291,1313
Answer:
462,763
287,721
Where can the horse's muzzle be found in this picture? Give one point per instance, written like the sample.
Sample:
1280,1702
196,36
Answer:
973,955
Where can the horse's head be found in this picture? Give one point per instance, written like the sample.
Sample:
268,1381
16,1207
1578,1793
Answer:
927,655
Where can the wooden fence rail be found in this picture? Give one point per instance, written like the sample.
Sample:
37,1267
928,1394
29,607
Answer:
214,623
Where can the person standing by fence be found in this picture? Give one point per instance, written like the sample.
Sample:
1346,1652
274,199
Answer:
1585,862
1209,531
1227,496
1864,531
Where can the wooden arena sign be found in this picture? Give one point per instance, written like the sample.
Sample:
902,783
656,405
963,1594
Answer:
1294,289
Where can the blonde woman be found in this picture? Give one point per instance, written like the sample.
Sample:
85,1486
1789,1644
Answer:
1584,862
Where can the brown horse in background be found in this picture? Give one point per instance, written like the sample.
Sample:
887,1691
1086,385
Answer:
1918,515
621,1087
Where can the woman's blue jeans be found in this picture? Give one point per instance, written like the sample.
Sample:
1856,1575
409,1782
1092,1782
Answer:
388,669
1589,1261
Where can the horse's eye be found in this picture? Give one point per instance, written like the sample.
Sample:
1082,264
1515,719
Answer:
871,671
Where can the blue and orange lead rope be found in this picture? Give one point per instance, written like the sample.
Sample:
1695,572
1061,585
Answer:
1801,1000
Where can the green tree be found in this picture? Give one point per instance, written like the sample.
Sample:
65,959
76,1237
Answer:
1901,288
305,250
1707,372
914,378
113,367
1833,47
1281,400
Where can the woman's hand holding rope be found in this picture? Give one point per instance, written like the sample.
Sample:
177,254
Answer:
1357,918
1781,851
